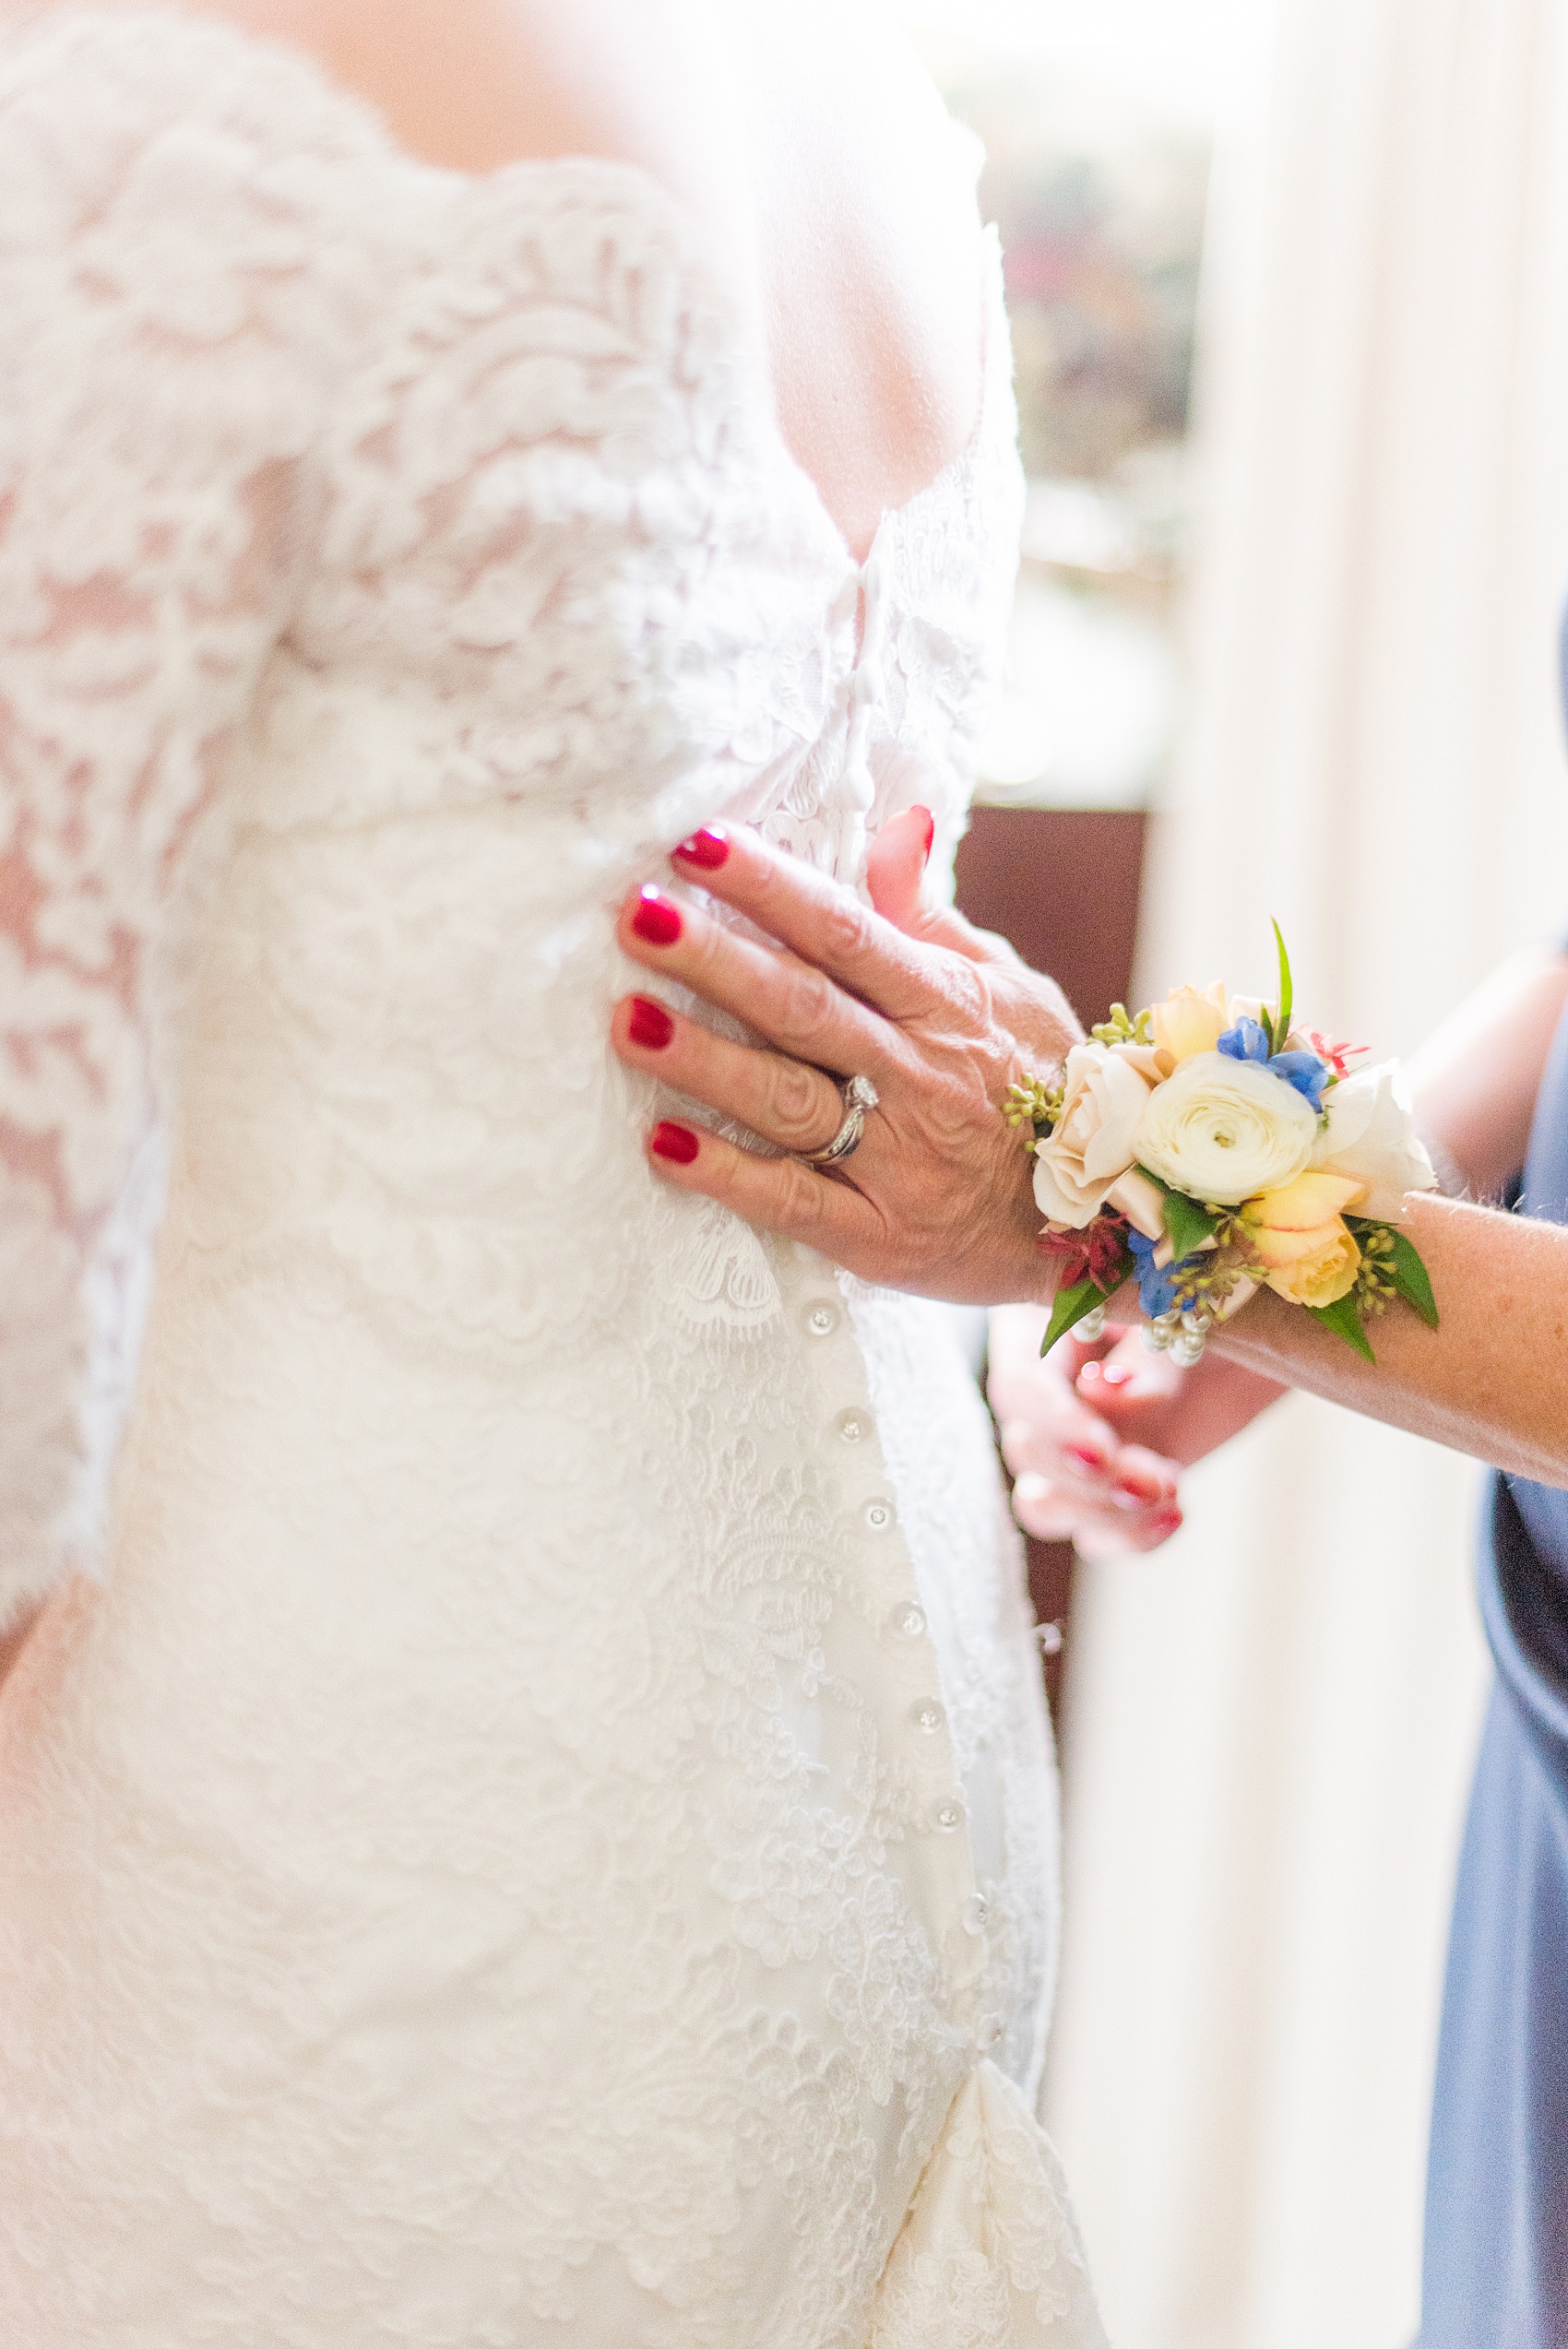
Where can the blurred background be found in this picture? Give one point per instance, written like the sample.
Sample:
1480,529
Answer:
1288,284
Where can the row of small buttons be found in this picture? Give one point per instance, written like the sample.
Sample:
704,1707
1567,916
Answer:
820,1318
854,1426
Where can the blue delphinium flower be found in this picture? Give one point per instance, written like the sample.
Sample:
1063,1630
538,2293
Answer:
1157,1291
1248,1040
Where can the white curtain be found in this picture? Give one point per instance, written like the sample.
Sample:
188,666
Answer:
1270,1725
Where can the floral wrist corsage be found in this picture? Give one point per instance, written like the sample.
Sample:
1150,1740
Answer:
1208,1148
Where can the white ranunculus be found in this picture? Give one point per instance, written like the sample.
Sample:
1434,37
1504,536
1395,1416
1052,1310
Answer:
1091,1143
1221,1130
1369,1135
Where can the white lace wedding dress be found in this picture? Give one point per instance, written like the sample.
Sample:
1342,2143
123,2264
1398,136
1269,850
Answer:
527,1819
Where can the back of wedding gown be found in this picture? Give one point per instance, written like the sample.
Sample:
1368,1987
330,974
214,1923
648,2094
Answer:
528,1818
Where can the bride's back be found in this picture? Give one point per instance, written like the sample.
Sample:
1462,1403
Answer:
505,1817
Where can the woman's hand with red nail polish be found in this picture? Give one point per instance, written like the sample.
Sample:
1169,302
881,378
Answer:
1076,1478
938,1017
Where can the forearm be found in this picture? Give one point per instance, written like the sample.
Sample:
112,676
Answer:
1491,1381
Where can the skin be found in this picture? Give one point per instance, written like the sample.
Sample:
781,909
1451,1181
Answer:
803,142
807,152
941,1017
934,1201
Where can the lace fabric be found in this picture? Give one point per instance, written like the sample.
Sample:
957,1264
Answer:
539,1815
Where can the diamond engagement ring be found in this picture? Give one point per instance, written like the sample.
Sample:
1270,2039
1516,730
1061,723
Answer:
859,1095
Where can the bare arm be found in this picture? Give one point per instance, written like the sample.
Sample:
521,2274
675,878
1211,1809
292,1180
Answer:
1493,1380
1475,1081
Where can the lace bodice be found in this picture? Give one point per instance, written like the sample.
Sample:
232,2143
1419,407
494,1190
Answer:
533,1821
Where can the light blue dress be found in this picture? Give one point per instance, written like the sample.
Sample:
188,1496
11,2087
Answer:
1496,2256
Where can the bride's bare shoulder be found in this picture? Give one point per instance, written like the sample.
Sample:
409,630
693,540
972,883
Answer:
474,84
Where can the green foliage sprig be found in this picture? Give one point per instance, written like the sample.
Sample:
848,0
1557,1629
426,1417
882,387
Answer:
1033,1103
1123,1028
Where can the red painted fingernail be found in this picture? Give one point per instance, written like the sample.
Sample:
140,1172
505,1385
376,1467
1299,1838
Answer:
1085,1457
1136,1490
1168,1522
650,1025
676,1143
710,847
929,832
656,918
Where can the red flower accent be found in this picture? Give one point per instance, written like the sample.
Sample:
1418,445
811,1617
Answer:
1337,1055
1095,1254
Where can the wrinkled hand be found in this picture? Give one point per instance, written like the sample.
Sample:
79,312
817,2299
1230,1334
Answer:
1076,1478
942,1017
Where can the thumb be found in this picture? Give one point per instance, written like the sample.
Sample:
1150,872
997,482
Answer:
896,867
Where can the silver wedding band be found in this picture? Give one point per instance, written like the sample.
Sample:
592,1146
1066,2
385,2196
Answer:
858,1094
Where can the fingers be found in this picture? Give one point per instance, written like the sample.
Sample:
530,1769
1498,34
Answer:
821,922
1182,1414
896,864
1075,1479
1127,1505
1128,1383
945,927
1104,1538
1076,1452
798,1008
793,1105
1039,1412
778,1193
1039,1431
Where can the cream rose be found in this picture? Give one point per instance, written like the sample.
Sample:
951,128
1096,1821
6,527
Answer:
1091,1143
1223,1129
1371,1138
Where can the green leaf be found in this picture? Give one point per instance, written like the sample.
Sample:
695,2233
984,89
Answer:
1287,994
1188,1224
1410,1278
1343,1319
1069,1306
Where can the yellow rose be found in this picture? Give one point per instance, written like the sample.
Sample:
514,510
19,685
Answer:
1190,1021
1324,1279
1297,1234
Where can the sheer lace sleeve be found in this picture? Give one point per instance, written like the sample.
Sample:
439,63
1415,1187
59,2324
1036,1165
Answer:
169,325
